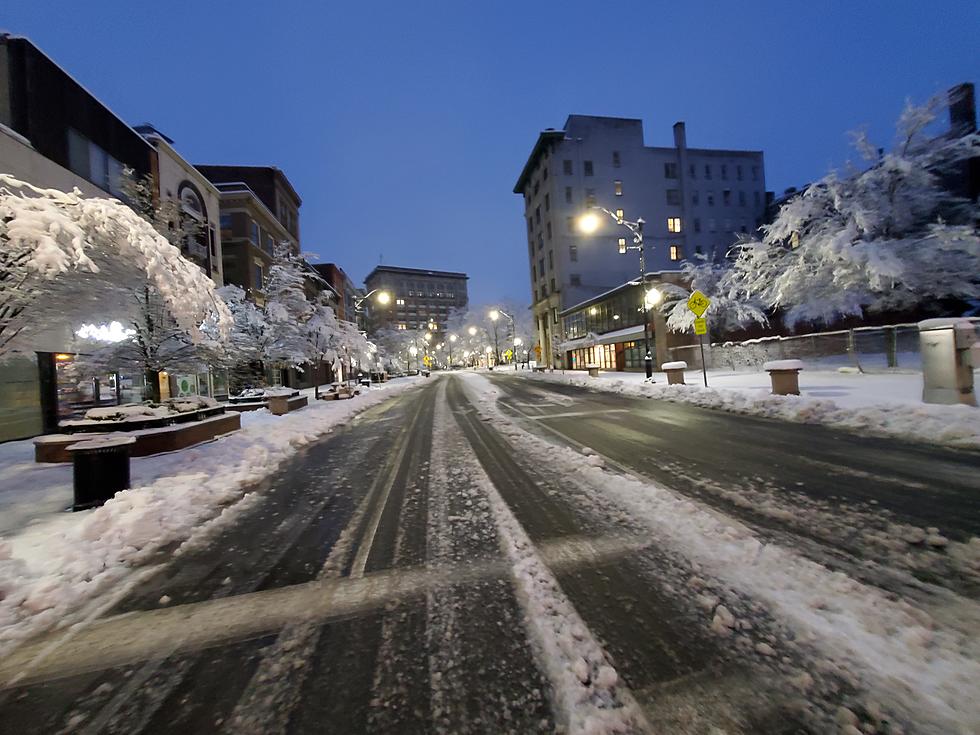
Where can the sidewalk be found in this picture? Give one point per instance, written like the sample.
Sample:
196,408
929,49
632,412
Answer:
886,403
52,561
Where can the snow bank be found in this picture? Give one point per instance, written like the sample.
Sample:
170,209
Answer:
52,569
874,402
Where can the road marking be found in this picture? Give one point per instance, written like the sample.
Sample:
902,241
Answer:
572,414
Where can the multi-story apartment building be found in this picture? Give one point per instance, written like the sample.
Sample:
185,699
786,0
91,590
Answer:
419,297
259,208
693,201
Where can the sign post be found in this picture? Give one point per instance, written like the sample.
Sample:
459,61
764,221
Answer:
699,303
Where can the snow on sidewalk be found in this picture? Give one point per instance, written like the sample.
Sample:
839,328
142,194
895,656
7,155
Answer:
887,404
52,567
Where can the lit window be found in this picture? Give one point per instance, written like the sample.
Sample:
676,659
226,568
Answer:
399,302
619,215
675,252
622,245
673,224
618,187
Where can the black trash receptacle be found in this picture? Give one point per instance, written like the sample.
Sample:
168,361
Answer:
101,469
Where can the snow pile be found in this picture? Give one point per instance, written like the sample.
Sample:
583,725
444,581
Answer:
678,365
928,673
137,411
49,571
951,425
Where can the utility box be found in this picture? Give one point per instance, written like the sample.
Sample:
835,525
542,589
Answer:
947,367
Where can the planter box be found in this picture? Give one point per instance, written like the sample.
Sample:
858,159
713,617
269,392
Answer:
54,447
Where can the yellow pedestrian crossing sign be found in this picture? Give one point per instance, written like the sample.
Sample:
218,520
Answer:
700,326
698,303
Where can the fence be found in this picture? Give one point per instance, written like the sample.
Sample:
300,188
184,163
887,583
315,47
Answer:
894,346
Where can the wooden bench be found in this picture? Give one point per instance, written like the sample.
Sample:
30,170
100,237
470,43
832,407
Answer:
54,447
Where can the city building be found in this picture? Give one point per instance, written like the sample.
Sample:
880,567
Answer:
196,199
55,134
693,201
419,297
606,330
259,208
344,287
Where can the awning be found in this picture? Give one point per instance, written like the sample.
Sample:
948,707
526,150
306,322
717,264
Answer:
626,334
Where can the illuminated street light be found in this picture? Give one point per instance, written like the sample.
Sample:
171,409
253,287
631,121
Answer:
472,331
653,297
589,222
494,315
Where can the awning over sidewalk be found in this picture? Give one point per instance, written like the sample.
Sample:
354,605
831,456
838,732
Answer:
607,338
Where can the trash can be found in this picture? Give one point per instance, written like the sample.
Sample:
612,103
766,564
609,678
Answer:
101,469
947,369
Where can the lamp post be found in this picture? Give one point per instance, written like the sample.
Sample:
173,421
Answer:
589,223
495,314
517,345
414,352
452,339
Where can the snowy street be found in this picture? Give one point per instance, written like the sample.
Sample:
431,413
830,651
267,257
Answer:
487,553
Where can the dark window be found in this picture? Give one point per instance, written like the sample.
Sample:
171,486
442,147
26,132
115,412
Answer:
547,202
670,170
741,199
738,173
534,272
547,229
544,174
567,167
573,253
726,197
541,266
724,172
587,166
575,279
755,173
707,170
692,169
673,197
570,224
226,221
615,159
568,195
552,284
711,199
551,260
697,224
695,198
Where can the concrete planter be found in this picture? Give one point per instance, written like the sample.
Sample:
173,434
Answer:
784,376
675,372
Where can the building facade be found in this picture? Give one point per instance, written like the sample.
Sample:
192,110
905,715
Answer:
195,198
419,297
694,201
251,224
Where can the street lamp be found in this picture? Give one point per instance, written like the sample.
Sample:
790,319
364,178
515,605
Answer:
589,223
414,352
452,340
472,331
495,314
517,344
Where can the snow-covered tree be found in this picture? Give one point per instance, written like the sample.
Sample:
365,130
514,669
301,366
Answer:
158,344
888,237
66,259
286,307
730,309
249,340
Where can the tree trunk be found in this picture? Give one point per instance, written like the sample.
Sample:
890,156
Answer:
152,378
891,341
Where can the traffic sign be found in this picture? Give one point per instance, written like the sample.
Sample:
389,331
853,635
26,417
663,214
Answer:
508,354
700,326
698,303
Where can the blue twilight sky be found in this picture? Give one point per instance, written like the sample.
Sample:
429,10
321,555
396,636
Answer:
404,125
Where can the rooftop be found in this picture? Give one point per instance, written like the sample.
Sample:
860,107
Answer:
414,272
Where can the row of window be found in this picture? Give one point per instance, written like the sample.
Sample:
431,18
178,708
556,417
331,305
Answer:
670,171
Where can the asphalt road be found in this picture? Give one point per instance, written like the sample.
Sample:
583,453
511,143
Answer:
373,588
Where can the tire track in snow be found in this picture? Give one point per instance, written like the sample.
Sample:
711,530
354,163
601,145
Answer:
587,694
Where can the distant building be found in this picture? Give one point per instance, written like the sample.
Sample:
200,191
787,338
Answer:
418,297
693,201
259,208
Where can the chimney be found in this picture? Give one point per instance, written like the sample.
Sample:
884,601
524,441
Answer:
680,136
